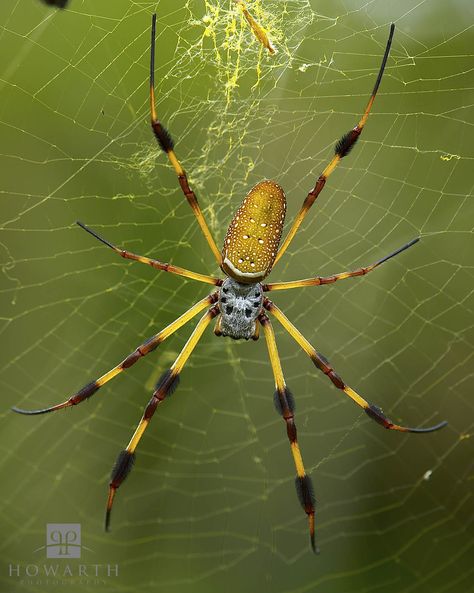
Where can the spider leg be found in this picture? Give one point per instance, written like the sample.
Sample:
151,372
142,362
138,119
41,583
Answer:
284,404
323,365
217,327
142,350
166,143
342,148
165,387
256,334
318,280
154,263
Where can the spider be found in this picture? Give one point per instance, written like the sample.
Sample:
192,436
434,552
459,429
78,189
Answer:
239,304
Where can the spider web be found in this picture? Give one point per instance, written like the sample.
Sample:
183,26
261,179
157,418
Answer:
210,504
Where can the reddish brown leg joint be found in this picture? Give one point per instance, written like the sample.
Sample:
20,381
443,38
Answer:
376,414
183,182
320,183
84,393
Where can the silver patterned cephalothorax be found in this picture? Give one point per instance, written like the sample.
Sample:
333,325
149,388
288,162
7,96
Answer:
240,305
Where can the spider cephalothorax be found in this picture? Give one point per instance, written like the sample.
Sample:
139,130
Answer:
240,305
251,248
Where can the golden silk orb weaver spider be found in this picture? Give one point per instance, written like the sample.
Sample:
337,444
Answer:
251,248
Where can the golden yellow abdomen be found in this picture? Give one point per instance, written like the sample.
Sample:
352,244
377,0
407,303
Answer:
253,236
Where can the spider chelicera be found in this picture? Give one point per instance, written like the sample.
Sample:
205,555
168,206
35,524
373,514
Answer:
239,306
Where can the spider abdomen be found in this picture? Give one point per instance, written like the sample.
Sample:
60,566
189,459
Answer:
240,305
253,236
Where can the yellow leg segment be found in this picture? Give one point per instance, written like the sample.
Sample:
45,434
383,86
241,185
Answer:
284,404
342,148
324,365
165,386
170,268
320,280
167,145
154,263
88,390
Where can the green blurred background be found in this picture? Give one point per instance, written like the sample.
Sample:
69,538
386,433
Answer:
210,505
